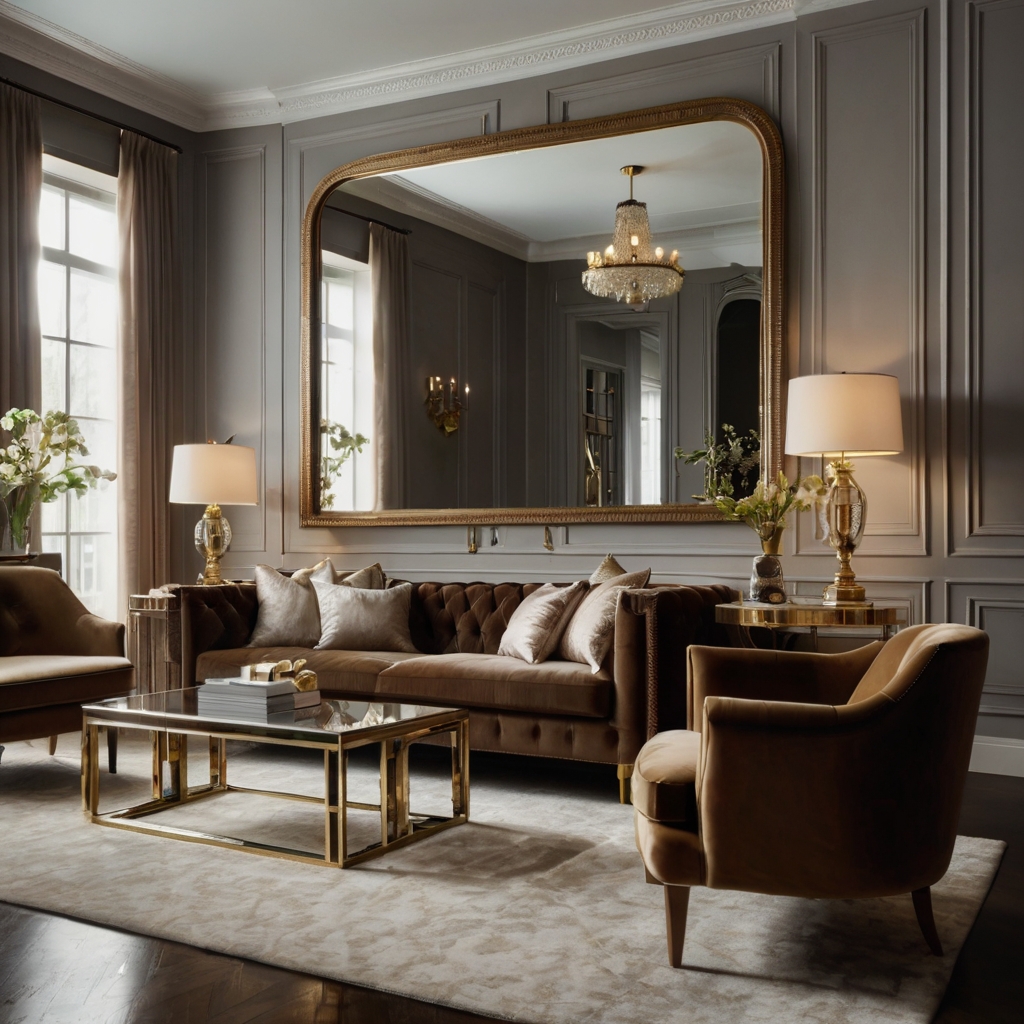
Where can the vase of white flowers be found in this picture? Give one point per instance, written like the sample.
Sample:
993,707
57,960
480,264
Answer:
39,463
764,512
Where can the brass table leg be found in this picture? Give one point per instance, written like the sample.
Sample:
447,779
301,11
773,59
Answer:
90,768
218,763
460,769
394,790
334,851
170,748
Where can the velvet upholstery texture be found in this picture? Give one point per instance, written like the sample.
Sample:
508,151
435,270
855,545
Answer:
54,655
537,625
588,637
846,783
364,620
603,717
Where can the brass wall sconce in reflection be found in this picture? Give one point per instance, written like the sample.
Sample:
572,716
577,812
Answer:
444,405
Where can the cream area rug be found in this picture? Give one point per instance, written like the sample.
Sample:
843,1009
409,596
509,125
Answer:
537,910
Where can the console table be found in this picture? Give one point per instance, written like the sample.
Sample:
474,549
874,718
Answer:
882,617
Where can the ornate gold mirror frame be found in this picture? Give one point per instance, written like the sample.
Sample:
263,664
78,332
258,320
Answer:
672,115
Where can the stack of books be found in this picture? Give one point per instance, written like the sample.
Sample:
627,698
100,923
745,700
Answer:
257,700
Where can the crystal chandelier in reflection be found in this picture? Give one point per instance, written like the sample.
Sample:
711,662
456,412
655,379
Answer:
630,270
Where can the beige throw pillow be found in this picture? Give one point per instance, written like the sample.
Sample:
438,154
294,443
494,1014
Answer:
354,619
537,624
370,578
607,570
590,633
288,615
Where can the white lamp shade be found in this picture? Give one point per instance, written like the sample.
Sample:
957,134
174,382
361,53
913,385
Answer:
849,414
213,474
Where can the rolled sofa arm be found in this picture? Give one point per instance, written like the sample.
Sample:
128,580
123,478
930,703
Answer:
100,637
214,618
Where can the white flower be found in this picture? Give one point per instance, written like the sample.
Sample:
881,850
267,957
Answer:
7,470
7,423
14,451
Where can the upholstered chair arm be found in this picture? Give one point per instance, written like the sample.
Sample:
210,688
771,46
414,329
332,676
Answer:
772,675
99,637
813,800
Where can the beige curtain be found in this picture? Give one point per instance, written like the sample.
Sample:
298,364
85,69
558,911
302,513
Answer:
389,283
21,180
147,190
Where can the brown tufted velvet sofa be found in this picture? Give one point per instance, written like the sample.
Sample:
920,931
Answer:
555,709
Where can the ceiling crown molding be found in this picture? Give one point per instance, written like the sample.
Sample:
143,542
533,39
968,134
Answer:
33,40
38,42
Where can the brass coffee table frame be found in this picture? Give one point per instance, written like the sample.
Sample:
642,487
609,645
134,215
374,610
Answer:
398,825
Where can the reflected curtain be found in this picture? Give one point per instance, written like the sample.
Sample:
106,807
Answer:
389,284
147,190
21,181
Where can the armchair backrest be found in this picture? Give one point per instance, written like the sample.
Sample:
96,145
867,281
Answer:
40,614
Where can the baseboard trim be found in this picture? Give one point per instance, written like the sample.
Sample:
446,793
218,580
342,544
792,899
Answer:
998,755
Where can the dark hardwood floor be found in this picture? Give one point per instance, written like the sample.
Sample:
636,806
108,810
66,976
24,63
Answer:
61,971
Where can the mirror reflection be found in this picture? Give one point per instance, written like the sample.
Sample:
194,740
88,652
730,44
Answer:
503,331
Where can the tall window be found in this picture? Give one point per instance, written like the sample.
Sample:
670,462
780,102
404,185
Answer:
347,378
78,314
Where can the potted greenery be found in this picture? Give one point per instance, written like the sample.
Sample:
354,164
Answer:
727,463
38,465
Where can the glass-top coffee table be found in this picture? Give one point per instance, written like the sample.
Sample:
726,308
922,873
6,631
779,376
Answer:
171,717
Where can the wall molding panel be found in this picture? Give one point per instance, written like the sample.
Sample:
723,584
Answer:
867,277
988,515
232,182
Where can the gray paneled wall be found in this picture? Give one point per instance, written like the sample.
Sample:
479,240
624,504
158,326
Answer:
902,127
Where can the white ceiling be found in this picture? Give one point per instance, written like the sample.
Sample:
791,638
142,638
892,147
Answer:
208,64
701,183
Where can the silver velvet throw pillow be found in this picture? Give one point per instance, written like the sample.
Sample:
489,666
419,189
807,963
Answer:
288,615
537,624
353,619
590,633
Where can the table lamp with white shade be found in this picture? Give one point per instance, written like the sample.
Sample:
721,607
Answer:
213,474
840,416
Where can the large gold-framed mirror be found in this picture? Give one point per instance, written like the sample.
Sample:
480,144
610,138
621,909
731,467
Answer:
457,367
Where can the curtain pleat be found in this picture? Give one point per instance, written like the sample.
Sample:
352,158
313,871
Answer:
389,284
21,181
147,190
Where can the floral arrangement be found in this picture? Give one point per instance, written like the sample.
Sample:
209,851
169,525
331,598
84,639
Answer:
727,463
337,444
765,510
40,464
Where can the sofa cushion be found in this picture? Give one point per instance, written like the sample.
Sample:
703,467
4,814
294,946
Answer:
288,612
364,620
351,672
496,681
40,680
591,631
537,625
665,777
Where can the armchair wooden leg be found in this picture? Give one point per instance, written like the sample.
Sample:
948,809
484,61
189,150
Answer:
677,899
625,773
923,908
112,749
53,745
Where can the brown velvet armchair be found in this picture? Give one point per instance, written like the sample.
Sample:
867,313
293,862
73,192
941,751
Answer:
55,656
813,775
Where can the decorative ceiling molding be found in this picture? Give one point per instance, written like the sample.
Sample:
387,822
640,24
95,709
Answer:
49,47
29,38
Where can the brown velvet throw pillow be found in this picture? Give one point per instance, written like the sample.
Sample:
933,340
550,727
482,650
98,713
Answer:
607,570
288,615
590,633
355,619
537,624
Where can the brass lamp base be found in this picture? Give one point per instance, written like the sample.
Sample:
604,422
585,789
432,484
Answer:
845,593
213,538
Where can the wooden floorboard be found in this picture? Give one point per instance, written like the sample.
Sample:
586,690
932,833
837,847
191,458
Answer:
55,970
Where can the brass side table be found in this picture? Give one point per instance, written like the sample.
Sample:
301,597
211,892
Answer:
882,617
154,640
